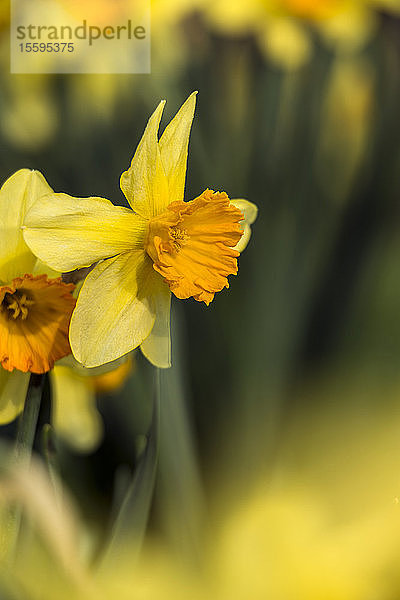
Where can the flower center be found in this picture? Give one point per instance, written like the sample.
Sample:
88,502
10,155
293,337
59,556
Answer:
34,319
179,237
17,304
191,245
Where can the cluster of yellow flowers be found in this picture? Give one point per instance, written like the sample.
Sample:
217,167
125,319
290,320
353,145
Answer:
284,29
135,257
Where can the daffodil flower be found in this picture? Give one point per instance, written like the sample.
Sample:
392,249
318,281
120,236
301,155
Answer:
162,245
74,414
35,311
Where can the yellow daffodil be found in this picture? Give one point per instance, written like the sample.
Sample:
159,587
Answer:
163,244
74,388
35,311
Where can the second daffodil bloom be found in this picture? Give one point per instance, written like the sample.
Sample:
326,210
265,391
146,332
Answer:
35,309
162,245
35,312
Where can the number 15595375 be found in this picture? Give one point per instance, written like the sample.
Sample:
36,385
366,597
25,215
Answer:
47,47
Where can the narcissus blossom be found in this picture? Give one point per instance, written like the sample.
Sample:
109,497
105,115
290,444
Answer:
35,309
35,312
162,245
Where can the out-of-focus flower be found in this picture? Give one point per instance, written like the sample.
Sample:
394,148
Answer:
29,116
74,414
285,42
164,244
347,118
35,311
113,379
287,547
283,27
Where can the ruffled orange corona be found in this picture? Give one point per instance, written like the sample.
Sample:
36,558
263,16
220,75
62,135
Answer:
34,318
191,245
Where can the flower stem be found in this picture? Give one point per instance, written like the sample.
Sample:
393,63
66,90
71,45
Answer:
28,419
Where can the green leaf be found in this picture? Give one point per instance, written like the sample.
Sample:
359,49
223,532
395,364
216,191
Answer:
130,524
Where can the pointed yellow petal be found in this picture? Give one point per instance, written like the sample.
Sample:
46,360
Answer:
115,311
13,389
144,183
67,233
250,212
174,148
157,346
17,195
74,413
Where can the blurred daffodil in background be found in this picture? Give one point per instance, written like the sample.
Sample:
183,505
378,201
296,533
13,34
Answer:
75,417
284,29
193,246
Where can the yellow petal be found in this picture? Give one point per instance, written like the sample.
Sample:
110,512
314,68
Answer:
174,148
250,212
17,195
40,268
157,346
13,389
74,413
144,183
115,311
67,233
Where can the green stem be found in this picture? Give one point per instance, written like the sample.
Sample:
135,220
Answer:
130,525
28,419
